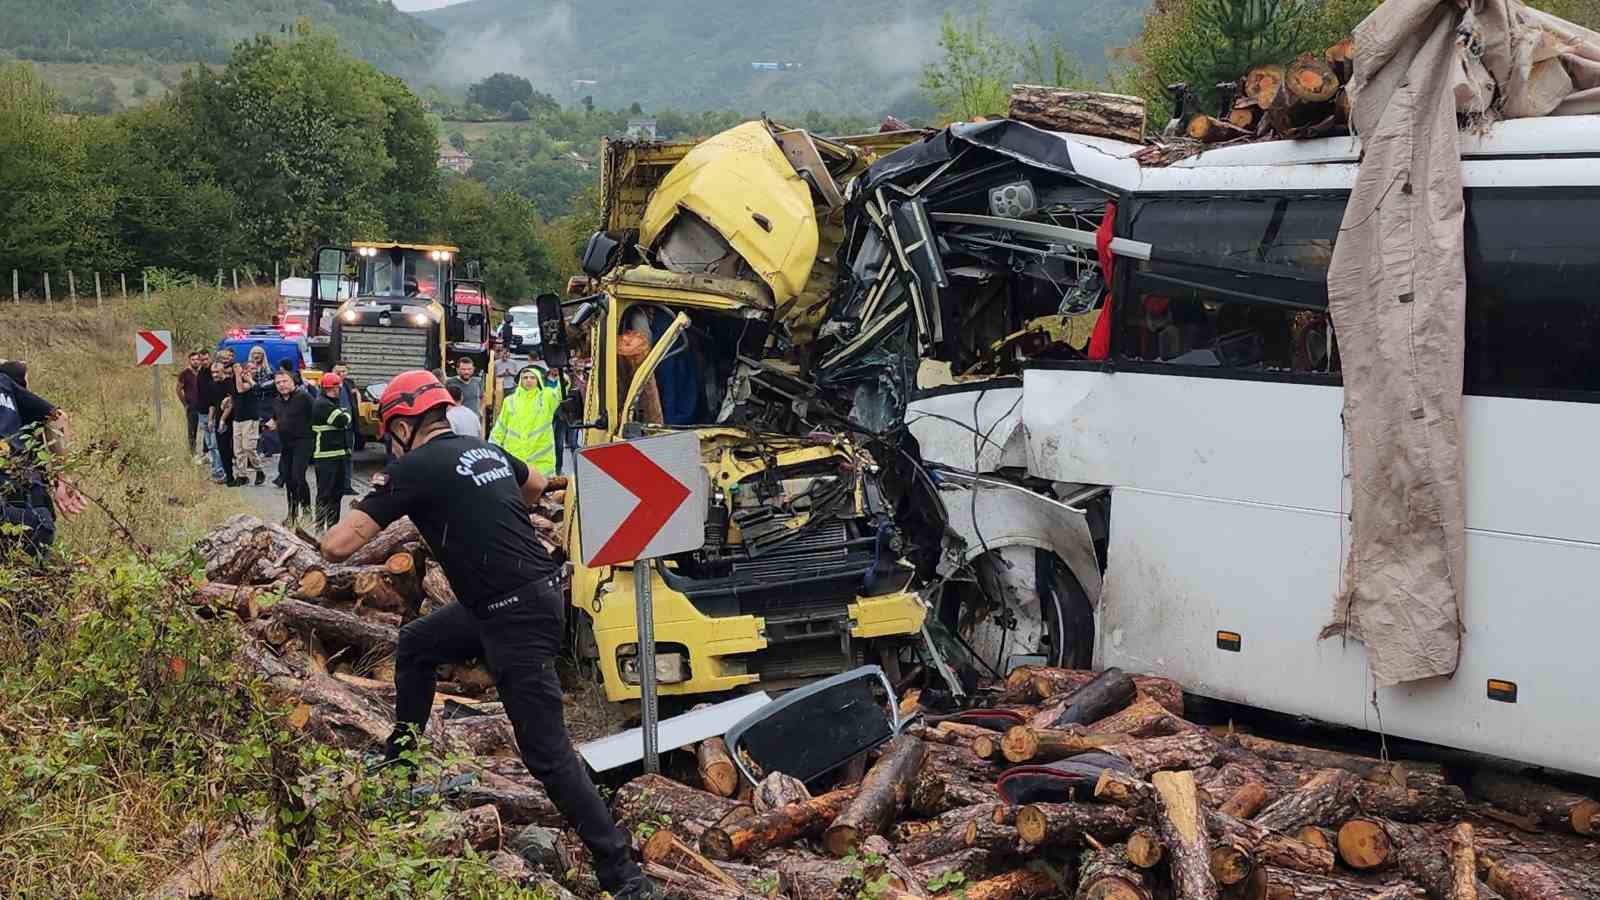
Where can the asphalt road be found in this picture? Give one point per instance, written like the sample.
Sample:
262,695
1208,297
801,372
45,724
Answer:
272,504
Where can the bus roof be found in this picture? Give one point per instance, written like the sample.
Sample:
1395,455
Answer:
1112,164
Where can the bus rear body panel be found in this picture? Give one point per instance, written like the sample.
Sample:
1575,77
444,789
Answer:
1228,500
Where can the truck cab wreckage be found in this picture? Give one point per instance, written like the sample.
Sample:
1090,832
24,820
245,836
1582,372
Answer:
779,292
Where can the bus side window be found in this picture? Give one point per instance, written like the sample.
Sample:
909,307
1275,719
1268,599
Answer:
1233,282
1533,292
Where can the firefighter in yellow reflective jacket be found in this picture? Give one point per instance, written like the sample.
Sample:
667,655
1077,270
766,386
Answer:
525,423
330,434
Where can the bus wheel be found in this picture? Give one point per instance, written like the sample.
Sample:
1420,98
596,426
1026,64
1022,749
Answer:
1025,602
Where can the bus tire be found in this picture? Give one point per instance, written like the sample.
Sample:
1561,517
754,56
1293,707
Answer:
1046,611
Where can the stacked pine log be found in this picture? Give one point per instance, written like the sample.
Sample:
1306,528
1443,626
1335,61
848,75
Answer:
1302,98
1187,812
1201,815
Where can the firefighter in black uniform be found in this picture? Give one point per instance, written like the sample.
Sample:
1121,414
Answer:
330,450
470,500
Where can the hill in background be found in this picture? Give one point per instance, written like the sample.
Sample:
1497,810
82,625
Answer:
145,33
856,57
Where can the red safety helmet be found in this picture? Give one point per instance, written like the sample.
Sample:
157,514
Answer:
330,379
411,394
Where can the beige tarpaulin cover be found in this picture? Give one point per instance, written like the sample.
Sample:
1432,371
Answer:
1397,292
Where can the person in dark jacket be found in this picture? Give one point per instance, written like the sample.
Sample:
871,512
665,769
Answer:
194,412
349,402
330,450
291,419
29,498
221,398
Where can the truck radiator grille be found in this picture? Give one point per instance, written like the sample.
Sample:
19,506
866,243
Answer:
819,570
376,353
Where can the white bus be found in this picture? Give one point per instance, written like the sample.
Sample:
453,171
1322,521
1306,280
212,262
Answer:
1198,516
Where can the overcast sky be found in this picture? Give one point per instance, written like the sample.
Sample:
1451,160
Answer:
414,5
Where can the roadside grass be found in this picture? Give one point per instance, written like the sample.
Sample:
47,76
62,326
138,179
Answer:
82,361
130,737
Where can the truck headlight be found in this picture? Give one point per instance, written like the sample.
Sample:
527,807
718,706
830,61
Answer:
671,668
419,319
350,315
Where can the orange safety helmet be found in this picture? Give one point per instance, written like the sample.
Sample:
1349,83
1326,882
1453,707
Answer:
411,394
330,379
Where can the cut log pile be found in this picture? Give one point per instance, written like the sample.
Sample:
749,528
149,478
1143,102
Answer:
1304,97
1105,791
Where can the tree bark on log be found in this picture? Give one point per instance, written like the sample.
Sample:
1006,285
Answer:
1245,114
1024,744
661,802
521,800
910,832
1052,682
482,735
884,790
337,624
242,600
1145,848
974,863
1443,867
939,845
1268,883
435,586
960,762
1523,878
333,583
1246,800
1367,767
778,789
1211,130
936,792
1319,837
826,879
1230,861
1108,874
1327,799
1183,828
1145,717
718,774
674,885
1427,798
1018,686
666,849
1122,790
478,828
1019,884
387,542
1310,79
1065,824
1193,750
1553,808
775,828
1270,848
1110,692
1094,113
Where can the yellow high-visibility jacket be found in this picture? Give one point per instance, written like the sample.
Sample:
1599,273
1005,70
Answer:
525,427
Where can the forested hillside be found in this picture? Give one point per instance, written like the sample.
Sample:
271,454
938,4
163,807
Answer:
856,57
185,31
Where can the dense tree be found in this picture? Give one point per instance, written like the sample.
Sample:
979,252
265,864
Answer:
289,127
502,232
458,140
499,91
971,77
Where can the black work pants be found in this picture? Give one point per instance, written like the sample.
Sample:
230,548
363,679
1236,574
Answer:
191,416
292,466
224,439
333,481
518,644
38,528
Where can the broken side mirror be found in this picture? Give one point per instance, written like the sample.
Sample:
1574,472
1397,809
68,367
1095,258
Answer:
598,253
552,331
813,730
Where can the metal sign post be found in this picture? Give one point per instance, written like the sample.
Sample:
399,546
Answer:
638,501
153,349
649,702
155,383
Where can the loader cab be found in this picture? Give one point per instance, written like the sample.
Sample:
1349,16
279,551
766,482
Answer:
382,308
